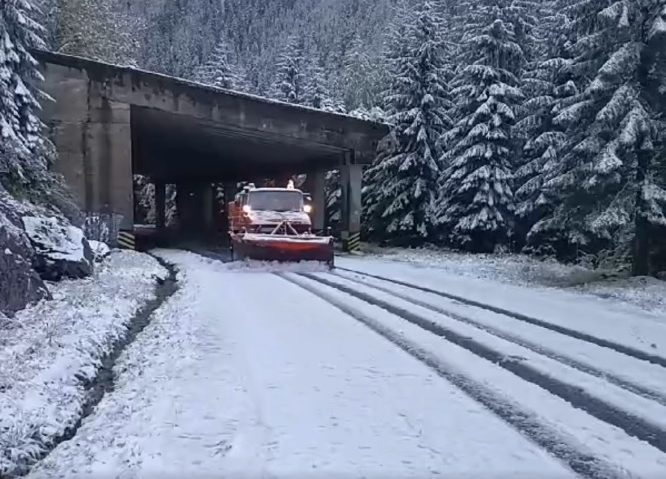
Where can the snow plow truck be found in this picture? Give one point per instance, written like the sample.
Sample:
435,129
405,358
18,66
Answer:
274,224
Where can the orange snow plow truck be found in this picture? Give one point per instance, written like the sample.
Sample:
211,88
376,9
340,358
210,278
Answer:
273,224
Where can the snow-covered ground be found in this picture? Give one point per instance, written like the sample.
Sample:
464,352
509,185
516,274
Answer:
261,371
50,350
608,318
645,292
247,375
616,451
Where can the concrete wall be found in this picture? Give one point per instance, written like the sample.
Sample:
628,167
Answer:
93,137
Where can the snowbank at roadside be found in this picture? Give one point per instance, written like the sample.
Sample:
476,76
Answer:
49,351
517,269
511,268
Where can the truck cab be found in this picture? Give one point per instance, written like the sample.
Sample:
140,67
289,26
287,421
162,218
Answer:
260,210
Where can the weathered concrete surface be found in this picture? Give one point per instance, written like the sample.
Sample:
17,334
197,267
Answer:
351,177
93,137
315,185
160,206
111,122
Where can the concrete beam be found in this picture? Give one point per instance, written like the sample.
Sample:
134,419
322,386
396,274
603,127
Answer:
208,200
225,111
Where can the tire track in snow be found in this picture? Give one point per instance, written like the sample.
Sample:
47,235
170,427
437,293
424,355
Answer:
633,425
620,348
586,368
574,455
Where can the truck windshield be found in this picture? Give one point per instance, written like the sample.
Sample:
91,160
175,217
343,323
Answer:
275,200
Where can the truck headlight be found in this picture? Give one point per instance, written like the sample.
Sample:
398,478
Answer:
307,208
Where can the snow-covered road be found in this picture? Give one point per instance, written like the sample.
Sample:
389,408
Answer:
256,374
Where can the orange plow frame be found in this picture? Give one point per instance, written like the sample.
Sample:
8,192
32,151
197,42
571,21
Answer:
288,246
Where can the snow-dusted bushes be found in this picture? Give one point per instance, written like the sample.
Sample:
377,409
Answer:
49,352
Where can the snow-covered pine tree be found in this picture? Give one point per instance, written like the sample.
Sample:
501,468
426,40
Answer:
99,29
545,83
288,84
476,201
316,89
405,182
608,188
395,58
243,83
178,35
360,76
22,155
219,71
144,204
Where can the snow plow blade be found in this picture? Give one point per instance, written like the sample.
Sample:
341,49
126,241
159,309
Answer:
283,248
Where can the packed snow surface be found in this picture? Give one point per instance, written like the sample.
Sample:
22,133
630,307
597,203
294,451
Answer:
607,318
249,375
48,351
617,450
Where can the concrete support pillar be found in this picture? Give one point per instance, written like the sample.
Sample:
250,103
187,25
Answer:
93,137
160,206
230,190
195,208
182,207
207,193
318,193
351,178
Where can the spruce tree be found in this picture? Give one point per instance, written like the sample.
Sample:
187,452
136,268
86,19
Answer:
406,180
96,29
608,185
360,76
218,71
289,81
546,83
316,91
476,198
22,155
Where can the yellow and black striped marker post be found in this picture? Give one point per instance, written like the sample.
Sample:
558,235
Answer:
126,240
353,242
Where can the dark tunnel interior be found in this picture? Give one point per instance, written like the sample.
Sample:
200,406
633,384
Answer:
175,148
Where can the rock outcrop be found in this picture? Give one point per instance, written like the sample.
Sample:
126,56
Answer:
20,284
61,250
100,250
